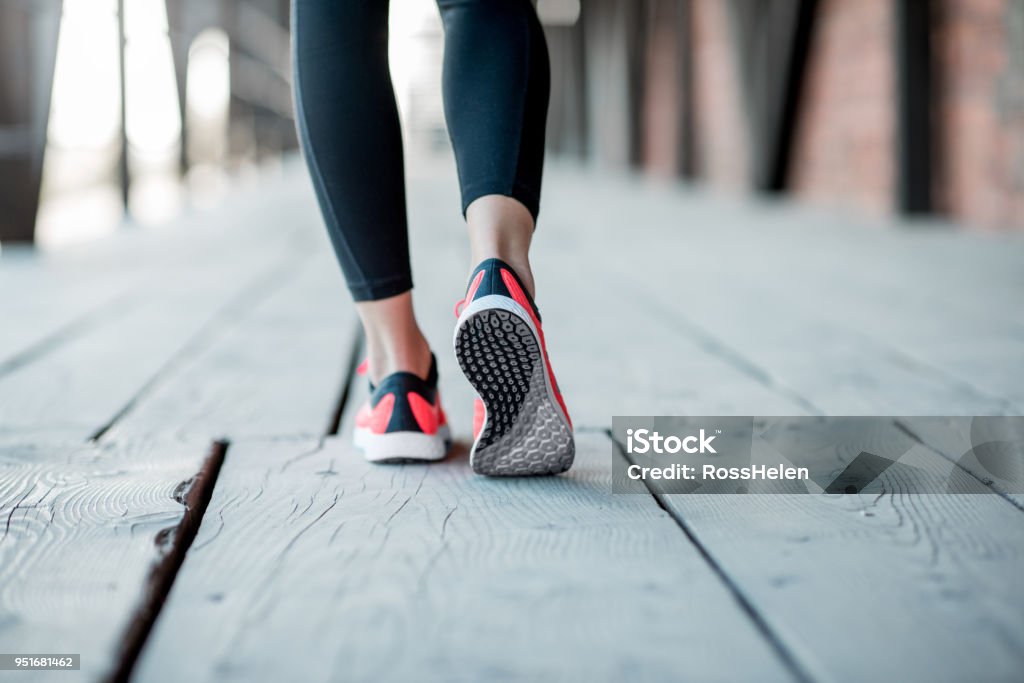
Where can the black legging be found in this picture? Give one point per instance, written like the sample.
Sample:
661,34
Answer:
495,84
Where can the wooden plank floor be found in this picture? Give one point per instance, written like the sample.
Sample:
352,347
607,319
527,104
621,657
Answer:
177,507
433,574
108,426
90,542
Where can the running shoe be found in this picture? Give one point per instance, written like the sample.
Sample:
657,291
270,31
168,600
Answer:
521,425
403,421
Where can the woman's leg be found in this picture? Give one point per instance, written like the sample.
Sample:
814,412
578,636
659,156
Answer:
349,127
501,227
496,84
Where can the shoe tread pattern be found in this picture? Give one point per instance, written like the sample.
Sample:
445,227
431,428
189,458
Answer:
524,433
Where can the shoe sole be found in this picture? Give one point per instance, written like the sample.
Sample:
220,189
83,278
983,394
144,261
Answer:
525,431
402,447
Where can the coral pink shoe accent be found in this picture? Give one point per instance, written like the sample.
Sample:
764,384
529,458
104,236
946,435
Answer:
520,298
470,293
442,419
425,413
363,416
363,367
401,420
376,418
479,413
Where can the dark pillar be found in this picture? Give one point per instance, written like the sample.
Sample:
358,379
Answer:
914,116
771,40
667,119
181,34
28,51
567,112
124,172
614,65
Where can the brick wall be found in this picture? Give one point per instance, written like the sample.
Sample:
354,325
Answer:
844,144
691,113
719,134
979,115
661,127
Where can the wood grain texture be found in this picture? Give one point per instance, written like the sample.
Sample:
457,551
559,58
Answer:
277,369
314,564
186,289
810,326
834,370
1000,442
76,390
885,582
84,531
216,331
50,297
870,317
655,301
896,582
52,303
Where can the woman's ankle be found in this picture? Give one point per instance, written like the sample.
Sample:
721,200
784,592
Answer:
501,227
389,357
394,341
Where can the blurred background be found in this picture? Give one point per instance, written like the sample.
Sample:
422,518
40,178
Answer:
122,113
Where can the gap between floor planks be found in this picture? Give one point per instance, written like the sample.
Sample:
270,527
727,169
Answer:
369,572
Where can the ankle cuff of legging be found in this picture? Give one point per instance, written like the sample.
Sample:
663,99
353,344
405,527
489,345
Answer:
380,289
524,194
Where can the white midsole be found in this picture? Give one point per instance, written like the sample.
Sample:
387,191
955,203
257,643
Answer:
492,301
413,445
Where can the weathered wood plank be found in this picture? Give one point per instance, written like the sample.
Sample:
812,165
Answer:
352,562
74,391
848,373
927,303
925,331
46,293
819,569
834,370
315,564
953,439
251,341
940,569
44,304
708,292
187,289
277,371
88,538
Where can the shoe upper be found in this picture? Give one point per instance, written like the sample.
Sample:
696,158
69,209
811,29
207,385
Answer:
403,402
494,276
